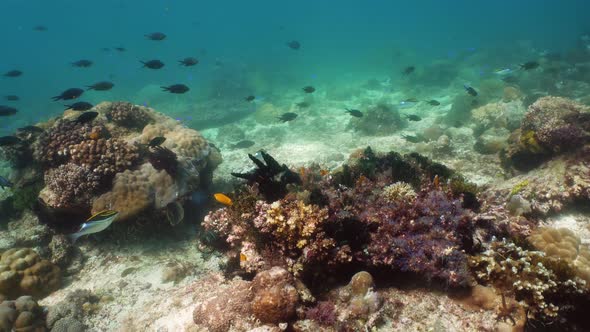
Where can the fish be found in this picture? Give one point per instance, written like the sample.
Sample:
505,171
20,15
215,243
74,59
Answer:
503,72
294,45
7,110
223,199
529,65
69,94
120,49
413,139
40,28
82,63
157,36
13,73
470,90
12,98
96,223
156,141
250,98
433,102
30,129
408,70
413,117
243,257
101,86
406,104
4,183
309,89
411,100
153,64
355,113
286,117
243,144
303,104
188,62
176,88
79,106
86,117
9,140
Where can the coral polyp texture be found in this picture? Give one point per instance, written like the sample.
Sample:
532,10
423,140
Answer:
363,216
106,163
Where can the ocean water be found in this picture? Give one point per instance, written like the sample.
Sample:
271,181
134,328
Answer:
342,42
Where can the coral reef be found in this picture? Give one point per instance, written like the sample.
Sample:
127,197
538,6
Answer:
105,157
23,272
546,287
52,146
68,314
552,125
399,191
22,314
128,115
70,185
275,298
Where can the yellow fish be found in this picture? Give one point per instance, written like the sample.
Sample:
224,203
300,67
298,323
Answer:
223,199
243,257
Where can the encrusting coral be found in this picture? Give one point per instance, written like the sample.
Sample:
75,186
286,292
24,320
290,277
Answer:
23,272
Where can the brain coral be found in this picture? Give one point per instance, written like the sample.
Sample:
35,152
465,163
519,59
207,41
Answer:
562,243
23,314
22,272
134,191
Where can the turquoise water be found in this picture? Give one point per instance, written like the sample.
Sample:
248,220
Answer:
342,42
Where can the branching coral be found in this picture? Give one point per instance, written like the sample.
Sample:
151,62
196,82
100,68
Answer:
52,147
104,156
70,185
545,285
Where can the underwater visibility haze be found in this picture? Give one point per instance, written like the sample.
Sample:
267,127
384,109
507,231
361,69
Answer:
294,166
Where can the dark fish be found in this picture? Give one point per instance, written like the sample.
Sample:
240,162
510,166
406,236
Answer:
176,88
470,90
413,117
82,63
155,36
188,62
7,110
9,140
87,117
79,106
101,86
309,89
69,94
40,28
433,102
303,104
30,129
105,49
4,183
294,45
12,98
13,73
120,49
153,64
408,70
413,139
243,144
355,113
250,98
411,100
287,117
156,141
529,65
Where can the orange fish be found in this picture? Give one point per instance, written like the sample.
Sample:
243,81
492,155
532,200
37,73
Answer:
243,257
223,199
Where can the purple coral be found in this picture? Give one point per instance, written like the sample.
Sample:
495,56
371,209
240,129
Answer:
324,313
71,185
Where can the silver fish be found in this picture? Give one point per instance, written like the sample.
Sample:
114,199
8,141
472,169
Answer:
97,223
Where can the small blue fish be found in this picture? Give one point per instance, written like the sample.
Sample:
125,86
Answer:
97,223
4,183
503,72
